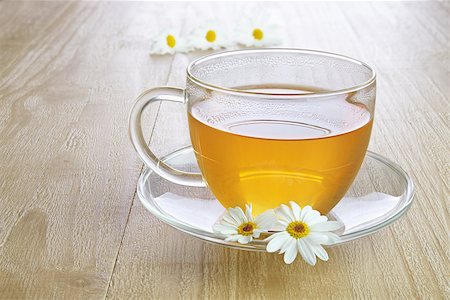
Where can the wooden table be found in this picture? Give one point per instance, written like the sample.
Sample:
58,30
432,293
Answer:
70,223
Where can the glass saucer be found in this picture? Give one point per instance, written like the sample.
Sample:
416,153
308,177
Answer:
381,193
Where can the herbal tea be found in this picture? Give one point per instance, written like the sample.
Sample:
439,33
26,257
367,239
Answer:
268,153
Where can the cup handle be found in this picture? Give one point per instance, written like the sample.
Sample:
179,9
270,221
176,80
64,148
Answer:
137,138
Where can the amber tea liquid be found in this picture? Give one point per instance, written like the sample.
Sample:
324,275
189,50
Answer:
267,154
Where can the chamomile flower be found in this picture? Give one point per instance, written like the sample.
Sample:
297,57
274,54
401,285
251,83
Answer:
260,29
167,42
209,35
304,231
240,227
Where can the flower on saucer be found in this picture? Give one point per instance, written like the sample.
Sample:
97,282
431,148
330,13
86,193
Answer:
240,227
209,35
260,29
167,42
304,230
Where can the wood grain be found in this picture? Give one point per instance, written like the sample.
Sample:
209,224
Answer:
70,223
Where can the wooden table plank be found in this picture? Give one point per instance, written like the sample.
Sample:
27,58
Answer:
68,171
70,223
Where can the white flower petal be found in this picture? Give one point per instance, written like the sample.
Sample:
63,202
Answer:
291,253
326,226
284,213
159,43
245,239
306,252
224,229
155,49
311,215
320,252
271,237
332,238
305,211
279,225
228,225
272,35
229,219
276,243
284,222
314,217
290,240
238,215
233,238
248,212
233,223
257,233
266,20
296,210
198,37
266,220
316,238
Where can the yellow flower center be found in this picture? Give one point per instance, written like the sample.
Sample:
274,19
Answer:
210,36
171,41
298,229
258,34
246,229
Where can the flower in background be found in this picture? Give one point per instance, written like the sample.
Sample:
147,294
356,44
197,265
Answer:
240,227
209,35
304,231
261,28
168,42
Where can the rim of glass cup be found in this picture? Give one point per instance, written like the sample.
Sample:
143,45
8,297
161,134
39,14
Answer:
238,92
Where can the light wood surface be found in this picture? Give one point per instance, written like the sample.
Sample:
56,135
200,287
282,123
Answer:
71,226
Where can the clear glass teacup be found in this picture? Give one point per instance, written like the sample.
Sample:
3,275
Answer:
269,126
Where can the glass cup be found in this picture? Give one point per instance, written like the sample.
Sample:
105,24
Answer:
269,126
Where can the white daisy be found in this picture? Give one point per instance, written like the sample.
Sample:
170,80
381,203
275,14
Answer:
209,35
304,231
240,227
261,28
167,42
